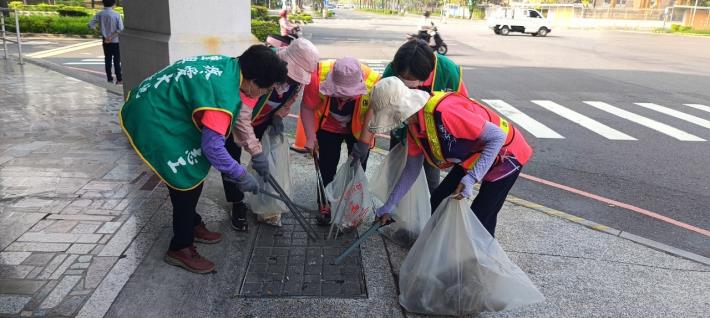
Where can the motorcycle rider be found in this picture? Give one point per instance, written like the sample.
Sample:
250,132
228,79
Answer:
427,29
287,28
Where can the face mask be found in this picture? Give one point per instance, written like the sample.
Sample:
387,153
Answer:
412,84
282,88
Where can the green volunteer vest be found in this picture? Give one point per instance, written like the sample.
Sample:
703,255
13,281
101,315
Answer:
158,116
447,78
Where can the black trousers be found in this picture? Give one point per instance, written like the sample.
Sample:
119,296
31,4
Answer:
329,152
487,203
231,191
185,216
112,53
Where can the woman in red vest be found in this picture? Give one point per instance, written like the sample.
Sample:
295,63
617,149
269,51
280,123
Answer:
450,130
335,110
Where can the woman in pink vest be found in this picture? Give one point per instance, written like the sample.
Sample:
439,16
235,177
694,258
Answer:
451,130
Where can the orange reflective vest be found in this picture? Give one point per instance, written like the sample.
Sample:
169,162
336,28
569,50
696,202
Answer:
430,144
362,103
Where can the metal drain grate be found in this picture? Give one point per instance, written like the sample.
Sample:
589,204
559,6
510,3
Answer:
284,263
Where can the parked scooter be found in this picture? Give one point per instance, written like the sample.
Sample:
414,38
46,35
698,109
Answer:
426,35
277,41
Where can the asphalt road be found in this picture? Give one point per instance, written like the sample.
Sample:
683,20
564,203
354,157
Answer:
595,151
583,86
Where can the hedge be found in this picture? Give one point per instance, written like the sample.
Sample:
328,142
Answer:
260,29
62,9
303,17
73,12
259,12
78,25
55,25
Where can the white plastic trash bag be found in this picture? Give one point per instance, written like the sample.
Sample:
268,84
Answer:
457,268
414,210
350,201
268,209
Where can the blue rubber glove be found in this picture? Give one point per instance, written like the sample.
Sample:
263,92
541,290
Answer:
261,164
385,209
466,188
246,182
359,152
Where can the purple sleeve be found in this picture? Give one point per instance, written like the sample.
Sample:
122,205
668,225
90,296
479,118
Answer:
493,137
409,174
217,155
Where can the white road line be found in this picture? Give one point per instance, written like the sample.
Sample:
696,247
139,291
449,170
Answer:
526,122
700,107
64,49
92,60
584,121
645,121
674,113
83,63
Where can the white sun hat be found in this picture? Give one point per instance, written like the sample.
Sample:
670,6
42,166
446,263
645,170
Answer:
393,103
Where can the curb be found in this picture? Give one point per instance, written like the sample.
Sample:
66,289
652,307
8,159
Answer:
115,89
599,227
612,231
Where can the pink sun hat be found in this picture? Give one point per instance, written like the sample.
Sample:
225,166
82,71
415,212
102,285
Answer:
302,59
344,80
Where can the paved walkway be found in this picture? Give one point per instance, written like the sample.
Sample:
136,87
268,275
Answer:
84,225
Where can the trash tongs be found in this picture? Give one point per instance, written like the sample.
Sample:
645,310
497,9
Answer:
291,206
372,230
323,203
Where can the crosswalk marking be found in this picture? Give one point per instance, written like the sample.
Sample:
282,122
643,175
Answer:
645,121
524,121
699,107
674,113
584,121
64,49
83,63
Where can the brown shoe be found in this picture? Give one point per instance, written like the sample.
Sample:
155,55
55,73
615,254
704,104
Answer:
203,235
189,259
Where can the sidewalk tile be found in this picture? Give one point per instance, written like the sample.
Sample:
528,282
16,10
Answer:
52,266
109,227
86,227
80,248
62,268
97,270
20,286
12,305
13,258
15,271
38,247
101,218
38,259
59,292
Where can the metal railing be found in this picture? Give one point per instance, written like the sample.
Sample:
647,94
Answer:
3,33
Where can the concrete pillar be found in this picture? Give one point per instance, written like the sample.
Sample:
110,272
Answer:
159,32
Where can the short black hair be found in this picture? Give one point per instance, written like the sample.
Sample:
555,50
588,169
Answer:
414,58
427,13
261,64
109,3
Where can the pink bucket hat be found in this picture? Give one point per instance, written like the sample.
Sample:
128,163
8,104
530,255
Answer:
344,80
302,58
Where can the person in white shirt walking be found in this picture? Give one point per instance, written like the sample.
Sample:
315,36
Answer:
110,25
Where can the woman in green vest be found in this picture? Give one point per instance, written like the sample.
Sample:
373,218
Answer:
177,120
419,67
268,111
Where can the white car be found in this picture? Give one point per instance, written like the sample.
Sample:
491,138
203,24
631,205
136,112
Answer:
506,20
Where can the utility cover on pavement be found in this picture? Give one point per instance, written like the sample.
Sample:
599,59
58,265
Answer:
284,263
